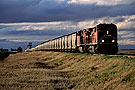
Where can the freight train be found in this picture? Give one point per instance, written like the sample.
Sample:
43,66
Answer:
99,39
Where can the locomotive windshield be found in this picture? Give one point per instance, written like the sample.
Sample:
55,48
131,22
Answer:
107,27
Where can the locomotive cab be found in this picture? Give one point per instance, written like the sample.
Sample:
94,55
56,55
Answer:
107,39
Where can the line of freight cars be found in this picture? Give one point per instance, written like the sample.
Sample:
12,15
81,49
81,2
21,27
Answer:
99,39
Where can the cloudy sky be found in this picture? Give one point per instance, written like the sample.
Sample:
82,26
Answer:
23,21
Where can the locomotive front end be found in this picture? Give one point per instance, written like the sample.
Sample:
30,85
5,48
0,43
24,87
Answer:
107,39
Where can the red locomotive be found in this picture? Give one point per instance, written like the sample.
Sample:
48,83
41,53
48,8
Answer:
99,39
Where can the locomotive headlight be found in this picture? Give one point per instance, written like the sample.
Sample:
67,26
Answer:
113,40
103,40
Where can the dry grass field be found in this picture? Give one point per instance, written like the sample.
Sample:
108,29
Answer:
66,71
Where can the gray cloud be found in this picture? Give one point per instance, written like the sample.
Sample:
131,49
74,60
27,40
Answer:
38,33
101,2
57,10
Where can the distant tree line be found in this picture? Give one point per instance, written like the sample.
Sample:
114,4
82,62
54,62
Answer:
4,53
19,49
3,50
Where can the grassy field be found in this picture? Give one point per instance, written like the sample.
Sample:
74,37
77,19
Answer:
66,71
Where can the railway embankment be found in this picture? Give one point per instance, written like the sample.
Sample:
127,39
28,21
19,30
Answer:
65,71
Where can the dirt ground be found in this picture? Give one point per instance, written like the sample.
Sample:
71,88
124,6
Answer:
66,71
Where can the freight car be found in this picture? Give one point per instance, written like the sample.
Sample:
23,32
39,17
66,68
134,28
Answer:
99,39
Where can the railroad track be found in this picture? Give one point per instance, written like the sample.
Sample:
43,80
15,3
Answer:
129,56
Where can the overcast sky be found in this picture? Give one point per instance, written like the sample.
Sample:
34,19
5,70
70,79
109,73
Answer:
40,20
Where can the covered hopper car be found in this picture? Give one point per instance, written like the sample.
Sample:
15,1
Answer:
99,39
